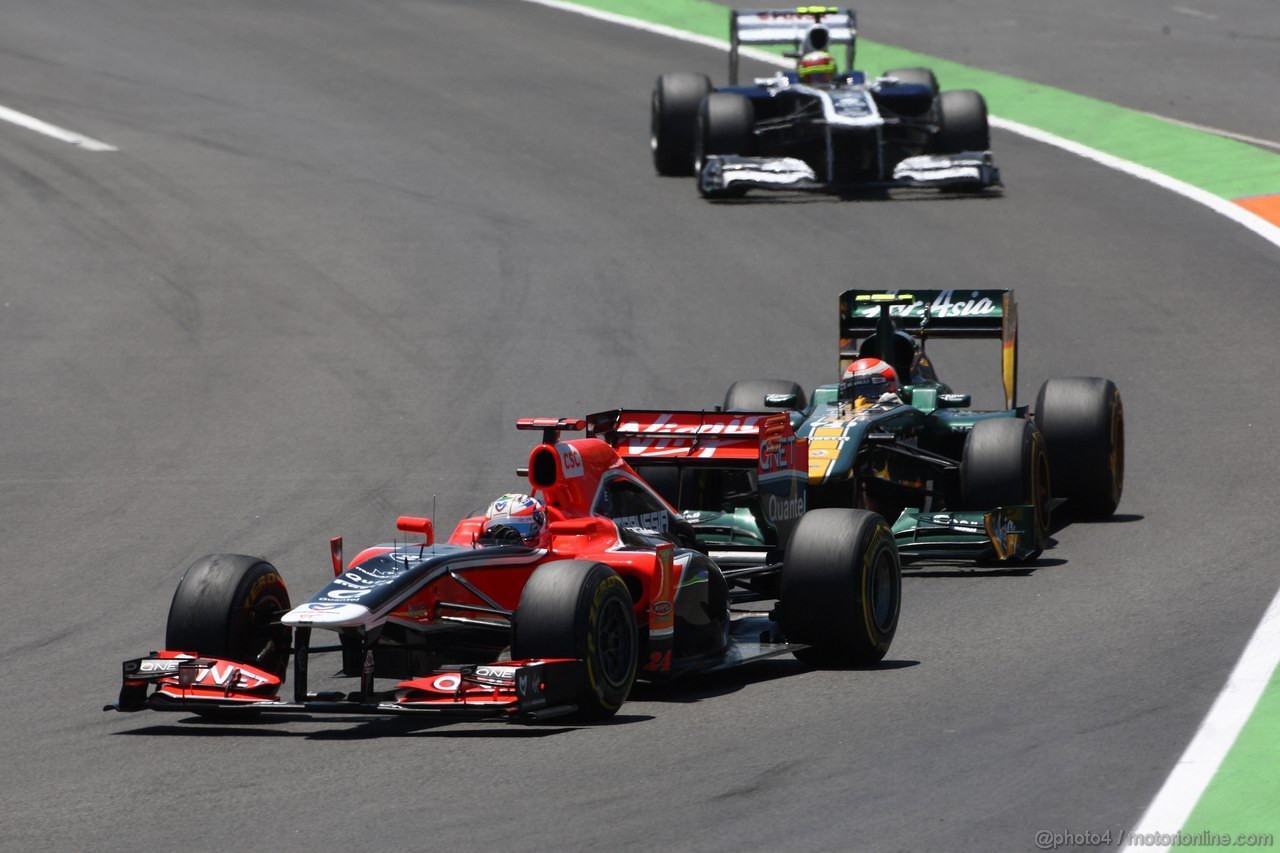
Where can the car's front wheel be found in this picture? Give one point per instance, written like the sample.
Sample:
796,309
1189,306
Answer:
673,120
229,606
726,125
581,609
962,123
1005,464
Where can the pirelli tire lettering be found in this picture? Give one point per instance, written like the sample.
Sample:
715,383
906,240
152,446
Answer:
265,580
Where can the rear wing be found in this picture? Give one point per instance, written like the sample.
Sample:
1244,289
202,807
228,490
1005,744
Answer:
763,442
651,435
933,314
794,27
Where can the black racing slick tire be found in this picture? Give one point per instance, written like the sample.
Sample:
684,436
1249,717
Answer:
726,125
747,395
915,76
962,123
229,606
581,609
1005,464
841,587
1082,419
673,121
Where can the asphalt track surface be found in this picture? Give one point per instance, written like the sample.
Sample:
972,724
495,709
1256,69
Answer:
336,257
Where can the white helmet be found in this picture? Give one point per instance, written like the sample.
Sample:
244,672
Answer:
524,515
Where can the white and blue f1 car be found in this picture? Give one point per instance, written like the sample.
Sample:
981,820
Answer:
897,130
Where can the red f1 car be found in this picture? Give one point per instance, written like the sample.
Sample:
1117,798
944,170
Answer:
552,603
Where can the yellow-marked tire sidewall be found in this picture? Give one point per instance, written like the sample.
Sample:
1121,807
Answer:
877,635
609,696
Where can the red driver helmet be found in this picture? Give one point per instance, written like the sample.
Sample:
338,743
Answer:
869,377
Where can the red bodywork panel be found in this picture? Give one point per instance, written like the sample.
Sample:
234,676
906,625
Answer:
567,475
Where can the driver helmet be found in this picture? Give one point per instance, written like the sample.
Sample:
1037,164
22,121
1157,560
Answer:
869,378
515,516
817,68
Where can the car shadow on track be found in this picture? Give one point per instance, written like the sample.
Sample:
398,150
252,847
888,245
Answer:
868,195
978,570
1063,517
989,569
362,728
966,569
699,687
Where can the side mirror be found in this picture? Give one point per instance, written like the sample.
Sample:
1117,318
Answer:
411,524
780,401
954,401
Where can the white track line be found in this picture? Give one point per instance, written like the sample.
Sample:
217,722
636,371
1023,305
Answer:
1217,131
32,123
1217,204
636,23
1172,806
1169,811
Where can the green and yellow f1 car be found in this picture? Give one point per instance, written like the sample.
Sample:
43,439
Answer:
954,482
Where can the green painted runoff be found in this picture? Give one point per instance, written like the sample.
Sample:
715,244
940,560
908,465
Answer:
1243,796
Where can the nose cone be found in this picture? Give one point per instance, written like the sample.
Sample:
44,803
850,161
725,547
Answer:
318,615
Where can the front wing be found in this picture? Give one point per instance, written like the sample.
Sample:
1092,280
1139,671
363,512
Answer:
729,174
1005,533
517,691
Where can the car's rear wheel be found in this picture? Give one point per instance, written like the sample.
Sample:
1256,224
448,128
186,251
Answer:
841,587
581,609
1005,464
915,76
673,121
229,606
914,135
1082,419
747,395
962,123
